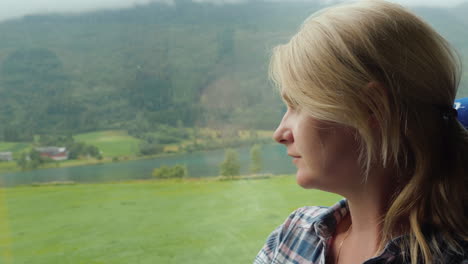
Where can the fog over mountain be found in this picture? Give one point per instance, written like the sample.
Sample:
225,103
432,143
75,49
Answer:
18,8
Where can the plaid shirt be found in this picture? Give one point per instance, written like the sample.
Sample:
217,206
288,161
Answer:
305,237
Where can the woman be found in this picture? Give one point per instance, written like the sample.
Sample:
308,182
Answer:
369,88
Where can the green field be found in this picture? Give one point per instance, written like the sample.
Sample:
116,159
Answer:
16,148
13,146
189,221
112,143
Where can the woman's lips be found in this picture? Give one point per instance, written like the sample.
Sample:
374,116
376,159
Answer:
295,157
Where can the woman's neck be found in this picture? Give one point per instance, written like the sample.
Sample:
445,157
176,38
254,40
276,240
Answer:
367,206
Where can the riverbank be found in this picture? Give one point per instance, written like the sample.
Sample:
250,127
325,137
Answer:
11,166
154,221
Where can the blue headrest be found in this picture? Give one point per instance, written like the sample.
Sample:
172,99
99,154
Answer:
462,107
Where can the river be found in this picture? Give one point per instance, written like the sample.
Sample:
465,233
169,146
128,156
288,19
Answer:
199,164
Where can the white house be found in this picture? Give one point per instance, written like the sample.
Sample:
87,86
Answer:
6,156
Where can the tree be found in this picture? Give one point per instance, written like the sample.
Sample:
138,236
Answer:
165,172
34,83
256,163
16,134
31,160
226,45
22,161
151,91
36,159
150,149
93,151
231,165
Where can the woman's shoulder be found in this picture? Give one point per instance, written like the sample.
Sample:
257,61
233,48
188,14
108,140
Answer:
318,216
299,235
299,220
305,217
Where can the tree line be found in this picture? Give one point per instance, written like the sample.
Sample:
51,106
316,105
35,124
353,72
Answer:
229,167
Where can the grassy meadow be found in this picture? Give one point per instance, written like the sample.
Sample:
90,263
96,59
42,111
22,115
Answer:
13,146
112,143
170,221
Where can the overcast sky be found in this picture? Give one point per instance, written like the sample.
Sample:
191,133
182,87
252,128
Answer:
18,8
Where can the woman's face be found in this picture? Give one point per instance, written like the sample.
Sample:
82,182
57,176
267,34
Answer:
325,154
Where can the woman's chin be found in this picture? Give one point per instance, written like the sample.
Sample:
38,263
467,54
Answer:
305,180
312,181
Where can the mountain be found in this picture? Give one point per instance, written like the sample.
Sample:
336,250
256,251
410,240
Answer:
191,63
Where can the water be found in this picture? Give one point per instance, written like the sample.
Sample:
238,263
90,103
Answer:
199,164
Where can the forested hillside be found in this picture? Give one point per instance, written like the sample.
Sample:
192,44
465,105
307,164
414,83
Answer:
186,65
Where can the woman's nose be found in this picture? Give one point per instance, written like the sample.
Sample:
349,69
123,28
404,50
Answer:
283,135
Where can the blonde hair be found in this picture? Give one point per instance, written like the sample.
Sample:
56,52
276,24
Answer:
374,58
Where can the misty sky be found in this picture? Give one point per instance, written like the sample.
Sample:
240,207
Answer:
18,8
